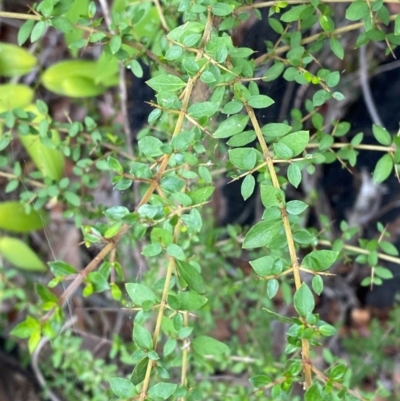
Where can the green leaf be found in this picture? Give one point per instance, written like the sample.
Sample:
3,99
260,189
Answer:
247,187
272,288
383,168
336,47
317,284
242,139
204,345
122,388
320,260
314,393
115,43
15,60
320,97
273,72
14,95
296,141
293,14
271,196
48,160
327,330
261,234
397,25
190,300
232,107
260,380
20,254
14,218
26,328
267,265
25,31
142,337
203,109
62,24
294,174
296,207
61,269
72,199
260,101
304,302
139,293
381,135
176,252
383,272
231,126
282,151
191,276
243,158
201,195
116,212
139,372
166,82
388,248
38,31
150,146
161,235
162,391
221,9
302,236
357,10
79,78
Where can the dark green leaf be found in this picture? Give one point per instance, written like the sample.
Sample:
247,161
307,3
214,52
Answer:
191,276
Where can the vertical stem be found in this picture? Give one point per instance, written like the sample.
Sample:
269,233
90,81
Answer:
288,232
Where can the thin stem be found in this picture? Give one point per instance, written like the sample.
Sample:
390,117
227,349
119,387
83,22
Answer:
289,237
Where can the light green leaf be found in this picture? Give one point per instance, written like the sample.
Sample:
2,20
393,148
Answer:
247,187
20,254
201,195
296,141
294,174
317,284
381,135
271,196
275,129
15,60
150,146
76,78
231,126
162,391
204,345
357,10
260,101
14,218
139,293
296,207
122,388
190,300
221,9
383,168
166,82
243,158
320,260
142,337
203,109
304,302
